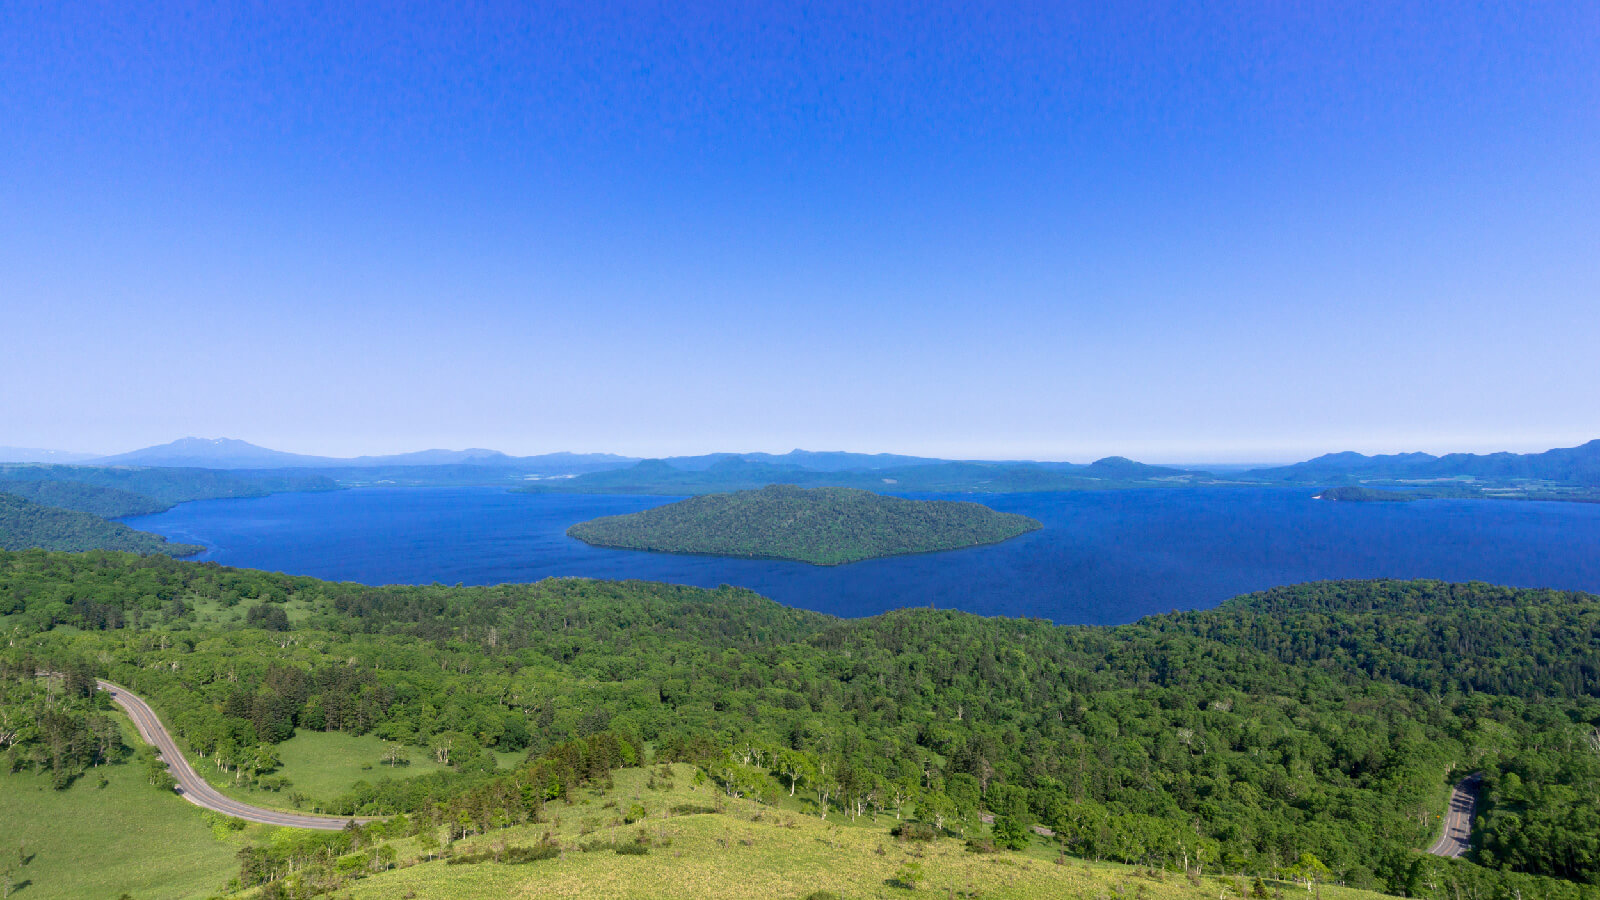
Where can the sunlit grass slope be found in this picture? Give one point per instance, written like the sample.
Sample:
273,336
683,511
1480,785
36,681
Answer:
91,841
747,850
322,765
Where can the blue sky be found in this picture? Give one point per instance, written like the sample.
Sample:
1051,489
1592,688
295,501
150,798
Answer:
1179,232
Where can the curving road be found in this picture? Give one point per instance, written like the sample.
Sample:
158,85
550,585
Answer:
1457,837
191,786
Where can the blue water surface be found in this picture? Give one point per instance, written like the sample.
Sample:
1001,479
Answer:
1103,557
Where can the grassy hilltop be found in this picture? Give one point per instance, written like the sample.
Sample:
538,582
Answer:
824,526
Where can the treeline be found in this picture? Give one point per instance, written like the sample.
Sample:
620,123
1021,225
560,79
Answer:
1319,724
56,725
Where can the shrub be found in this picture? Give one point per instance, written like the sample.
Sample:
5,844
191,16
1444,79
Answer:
914,831
518,855
981,845
909,876
511,856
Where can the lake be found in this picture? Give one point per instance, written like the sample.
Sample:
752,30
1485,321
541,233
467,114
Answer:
1103,557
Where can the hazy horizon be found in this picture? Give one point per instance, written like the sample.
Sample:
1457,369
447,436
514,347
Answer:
1237,233
1195,462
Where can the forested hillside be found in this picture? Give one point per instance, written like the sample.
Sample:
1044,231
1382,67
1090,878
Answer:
24,524
168,485
105,502
823,526
1308,729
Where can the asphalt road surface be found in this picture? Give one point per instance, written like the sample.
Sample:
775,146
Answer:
1457,837
191,786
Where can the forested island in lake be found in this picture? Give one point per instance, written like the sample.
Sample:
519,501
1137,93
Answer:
822,526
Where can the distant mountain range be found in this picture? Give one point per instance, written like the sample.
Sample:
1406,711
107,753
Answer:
736,473
228,453
597,472
1569,465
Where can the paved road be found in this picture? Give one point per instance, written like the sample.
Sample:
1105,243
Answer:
191,786
1457,837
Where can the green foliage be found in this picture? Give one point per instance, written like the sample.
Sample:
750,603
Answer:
24,524
915,831
1540,814
55,726
511,855
1320,722
910,876
267,616
105,502
822,526
1010,833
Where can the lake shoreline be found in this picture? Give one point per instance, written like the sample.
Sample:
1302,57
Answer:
1102,558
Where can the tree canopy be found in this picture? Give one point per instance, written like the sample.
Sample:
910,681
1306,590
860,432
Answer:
1320,723
822,526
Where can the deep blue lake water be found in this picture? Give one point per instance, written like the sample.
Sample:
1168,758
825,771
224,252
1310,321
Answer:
1102,557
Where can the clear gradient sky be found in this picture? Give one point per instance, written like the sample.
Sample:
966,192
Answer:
1179,232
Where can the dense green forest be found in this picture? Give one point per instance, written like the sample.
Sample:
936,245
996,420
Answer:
168,485
1323,720
24,524
823,526
62,732
105,502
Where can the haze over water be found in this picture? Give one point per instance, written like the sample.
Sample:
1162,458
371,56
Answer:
1102,557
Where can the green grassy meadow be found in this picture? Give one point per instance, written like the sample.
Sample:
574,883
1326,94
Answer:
91,841
322,765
